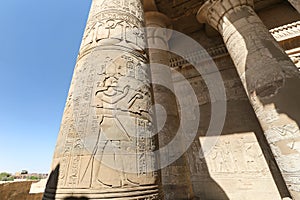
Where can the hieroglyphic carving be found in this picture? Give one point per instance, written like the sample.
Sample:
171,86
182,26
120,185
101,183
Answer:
287,131
105,140
116,22
109,96
236,154
74,171
132,6
142,145
256,56
117,95
110,32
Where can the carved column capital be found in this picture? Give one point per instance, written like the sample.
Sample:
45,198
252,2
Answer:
157,19
158,31
213,11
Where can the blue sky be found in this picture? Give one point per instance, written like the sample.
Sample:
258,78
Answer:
39,45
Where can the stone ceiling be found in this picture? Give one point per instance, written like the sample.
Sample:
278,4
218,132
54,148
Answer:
183,12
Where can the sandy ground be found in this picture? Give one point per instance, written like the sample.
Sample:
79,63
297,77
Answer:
18,191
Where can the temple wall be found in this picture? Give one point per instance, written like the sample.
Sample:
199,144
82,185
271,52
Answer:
241,162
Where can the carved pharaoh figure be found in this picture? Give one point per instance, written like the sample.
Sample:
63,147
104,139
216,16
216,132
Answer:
105,146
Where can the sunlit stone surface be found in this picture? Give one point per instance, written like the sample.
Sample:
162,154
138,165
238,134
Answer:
107,137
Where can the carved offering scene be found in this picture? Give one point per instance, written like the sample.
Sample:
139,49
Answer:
183,100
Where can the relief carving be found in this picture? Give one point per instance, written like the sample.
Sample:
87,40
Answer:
236,154
113,24
121,102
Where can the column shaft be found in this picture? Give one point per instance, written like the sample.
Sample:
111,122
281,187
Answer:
269,77
105,144
176,182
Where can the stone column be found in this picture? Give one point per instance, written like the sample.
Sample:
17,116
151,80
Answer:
296,4
176,182
269,77
105,145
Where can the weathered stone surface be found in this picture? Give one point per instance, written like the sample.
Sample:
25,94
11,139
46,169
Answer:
268,76
237,167
105,145
103,136
176,180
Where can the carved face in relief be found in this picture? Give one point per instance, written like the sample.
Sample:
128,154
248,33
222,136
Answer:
110,84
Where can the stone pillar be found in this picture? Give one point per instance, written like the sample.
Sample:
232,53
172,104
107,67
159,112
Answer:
269,77
176,182
296,4
105,145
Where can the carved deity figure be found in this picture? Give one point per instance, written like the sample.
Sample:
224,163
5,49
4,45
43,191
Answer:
122,104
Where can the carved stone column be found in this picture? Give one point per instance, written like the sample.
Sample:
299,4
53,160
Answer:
176,182
296,4
105,145
269,77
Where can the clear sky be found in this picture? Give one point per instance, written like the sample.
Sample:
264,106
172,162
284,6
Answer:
39,45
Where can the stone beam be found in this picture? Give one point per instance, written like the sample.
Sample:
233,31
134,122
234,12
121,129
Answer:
269,77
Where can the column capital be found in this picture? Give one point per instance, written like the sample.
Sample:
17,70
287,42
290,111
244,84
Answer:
157,19
213,11
154,18
149,5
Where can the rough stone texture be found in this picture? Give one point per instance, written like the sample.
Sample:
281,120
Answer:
176,180
268,76
241,144
105,145
241,165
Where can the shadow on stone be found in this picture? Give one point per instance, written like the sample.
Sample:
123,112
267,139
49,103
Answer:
240,119
210,189
51,185
178,189
287,100
262,71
